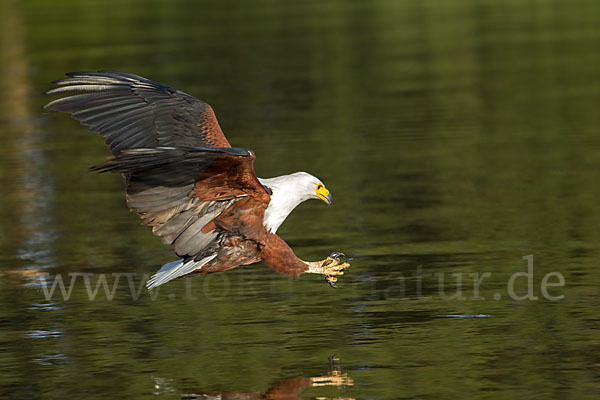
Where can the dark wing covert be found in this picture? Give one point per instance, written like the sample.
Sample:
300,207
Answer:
163,186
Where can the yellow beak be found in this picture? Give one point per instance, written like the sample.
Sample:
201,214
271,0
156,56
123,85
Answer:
324,194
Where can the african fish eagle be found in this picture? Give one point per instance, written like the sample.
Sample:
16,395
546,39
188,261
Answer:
185,180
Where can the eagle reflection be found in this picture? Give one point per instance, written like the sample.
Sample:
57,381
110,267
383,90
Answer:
287,389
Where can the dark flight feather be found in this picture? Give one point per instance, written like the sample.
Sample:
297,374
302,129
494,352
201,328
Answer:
132,111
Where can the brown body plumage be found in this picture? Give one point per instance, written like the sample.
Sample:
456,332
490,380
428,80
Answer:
185,180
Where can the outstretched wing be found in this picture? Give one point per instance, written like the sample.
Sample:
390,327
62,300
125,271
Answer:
183,192
133,112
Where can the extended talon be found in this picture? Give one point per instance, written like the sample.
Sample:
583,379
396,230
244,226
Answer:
334,257
330,267
331,280
333,267
336,378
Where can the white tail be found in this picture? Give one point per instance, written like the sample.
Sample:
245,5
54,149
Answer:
176,269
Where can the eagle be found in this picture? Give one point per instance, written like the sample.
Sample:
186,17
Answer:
184,179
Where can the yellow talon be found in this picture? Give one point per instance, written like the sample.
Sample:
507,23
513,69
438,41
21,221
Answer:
336,378
330,267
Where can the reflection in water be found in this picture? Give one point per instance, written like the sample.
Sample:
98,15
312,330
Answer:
456,135
25,192
287,389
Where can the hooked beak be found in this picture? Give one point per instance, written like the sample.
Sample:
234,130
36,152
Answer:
324,194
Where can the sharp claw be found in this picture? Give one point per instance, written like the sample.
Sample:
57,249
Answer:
332,267
343,267
331,282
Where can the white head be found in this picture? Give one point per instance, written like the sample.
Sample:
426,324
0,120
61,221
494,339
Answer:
289,191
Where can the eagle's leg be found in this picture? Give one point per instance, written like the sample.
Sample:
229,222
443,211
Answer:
278,255
330,267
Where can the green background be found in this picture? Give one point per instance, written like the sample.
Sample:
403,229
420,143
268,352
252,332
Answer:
457,137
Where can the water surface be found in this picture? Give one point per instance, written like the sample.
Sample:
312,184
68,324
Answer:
457,138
